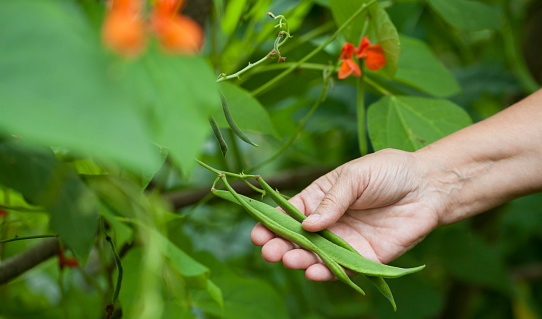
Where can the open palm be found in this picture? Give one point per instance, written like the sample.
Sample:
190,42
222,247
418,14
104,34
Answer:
380,204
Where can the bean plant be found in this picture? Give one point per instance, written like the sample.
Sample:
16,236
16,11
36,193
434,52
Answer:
136,135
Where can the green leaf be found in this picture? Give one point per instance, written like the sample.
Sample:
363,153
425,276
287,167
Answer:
247,111
57,87
44,181
195,274
380,30
419,68
245,298
178,94
467,15
409,123
470,259
342,10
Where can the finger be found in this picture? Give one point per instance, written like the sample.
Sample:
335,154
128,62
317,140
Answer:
319,272
335,202
309,198
276,248
299,259
261,235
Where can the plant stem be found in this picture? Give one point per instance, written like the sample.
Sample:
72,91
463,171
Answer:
298,130
278,43
279,77
236,152
117,263
248,67
24,238
219,172
377,86
362,141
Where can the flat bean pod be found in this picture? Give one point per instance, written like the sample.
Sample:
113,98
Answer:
289,208
344,257
286,233
299,216
231,122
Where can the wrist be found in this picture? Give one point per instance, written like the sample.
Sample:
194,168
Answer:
449,184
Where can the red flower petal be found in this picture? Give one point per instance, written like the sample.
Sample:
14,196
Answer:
123,29
363,45
347,51
64,261
375,58
349,67
177,33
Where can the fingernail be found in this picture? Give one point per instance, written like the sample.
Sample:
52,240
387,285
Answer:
312,218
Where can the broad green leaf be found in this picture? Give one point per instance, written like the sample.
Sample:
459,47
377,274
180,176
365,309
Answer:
247,111
57,87
44,181
120,196
468,15
178,94
140,295
419,68
380,30
342,10
195,274
244,298
470,259
409,123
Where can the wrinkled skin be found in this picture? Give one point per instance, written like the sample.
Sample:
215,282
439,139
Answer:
381,204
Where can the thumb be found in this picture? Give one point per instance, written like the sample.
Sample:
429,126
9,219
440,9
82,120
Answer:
335,202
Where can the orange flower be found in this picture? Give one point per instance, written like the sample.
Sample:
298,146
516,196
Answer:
177,33
124,29
372,53
349,66
64,261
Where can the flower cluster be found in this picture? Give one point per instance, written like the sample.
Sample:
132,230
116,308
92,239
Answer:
64,261
372,53
125,29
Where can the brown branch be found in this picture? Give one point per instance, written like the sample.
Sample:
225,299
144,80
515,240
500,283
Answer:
288,180
15,266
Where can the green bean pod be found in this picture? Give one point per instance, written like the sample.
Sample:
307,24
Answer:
289,208
345,257
231,122
218,135
384,289
286,233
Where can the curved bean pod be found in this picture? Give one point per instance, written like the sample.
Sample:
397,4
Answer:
299,216
232,123
289,208
286,233
218,135
344,257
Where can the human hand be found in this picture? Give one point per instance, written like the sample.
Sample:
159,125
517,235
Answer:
381,204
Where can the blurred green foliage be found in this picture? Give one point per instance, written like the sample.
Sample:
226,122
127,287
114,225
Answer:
87,134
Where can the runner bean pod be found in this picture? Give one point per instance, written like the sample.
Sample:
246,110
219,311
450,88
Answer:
291,210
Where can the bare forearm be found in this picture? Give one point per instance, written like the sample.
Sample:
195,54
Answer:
488,163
